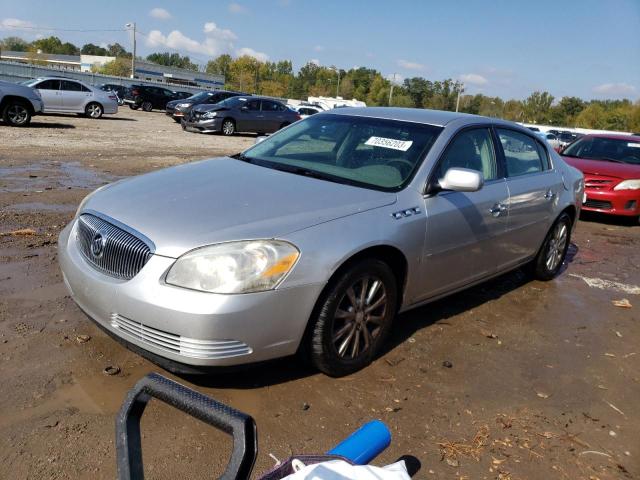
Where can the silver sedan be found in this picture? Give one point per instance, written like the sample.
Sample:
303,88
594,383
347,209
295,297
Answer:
314,239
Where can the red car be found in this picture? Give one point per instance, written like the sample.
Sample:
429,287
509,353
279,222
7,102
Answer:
611,168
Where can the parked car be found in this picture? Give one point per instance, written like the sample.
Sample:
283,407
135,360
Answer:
119,90
565,138
307,110
611,168
313,240
177,109
240,114
149,97
551,139
18,103
66,95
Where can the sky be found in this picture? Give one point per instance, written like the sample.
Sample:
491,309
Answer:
584,48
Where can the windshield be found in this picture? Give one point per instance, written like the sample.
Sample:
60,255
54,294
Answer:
369,152
611,149
31,82
232,102
200,97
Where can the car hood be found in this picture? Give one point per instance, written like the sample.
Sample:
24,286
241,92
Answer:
602,167
208,107
223,199
173,103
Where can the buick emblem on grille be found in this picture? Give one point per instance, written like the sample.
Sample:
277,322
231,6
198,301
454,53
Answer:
98,243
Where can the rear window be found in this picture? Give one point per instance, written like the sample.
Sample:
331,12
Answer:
523,154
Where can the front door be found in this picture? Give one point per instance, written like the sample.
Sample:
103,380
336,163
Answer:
534,188
74,96
249,117
465,230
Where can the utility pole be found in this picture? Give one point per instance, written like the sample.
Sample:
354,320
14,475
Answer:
393,82
133,56
459,87
337,84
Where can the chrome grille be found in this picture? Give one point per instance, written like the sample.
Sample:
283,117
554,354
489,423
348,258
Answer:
122,254
597,204
170,342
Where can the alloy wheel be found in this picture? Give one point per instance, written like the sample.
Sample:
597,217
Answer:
94,110
557,246
228,127
359,318
17,114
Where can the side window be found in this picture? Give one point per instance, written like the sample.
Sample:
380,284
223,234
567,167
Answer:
471,149
83,88
49,85
521,153
69,86
268,106
253,105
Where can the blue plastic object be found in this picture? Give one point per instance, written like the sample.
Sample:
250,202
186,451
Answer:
364,444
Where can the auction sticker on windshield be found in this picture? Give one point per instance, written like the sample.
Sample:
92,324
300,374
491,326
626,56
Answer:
402,145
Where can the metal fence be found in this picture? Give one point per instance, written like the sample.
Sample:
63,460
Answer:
18,72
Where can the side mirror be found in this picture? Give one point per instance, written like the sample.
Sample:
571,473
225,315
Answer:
462,180
259,139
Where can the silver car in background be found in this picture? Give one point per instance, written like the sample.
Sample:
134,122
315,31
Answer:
65,95
18,103
312,240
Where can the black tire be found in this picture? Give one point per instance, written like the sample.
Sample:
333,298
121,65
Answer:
228,127
177,120
16,113
147,106
553,251
133,106
338,342
93,110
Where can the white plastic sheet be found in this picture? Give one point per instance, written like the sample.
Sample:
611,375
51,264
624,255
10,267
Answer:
341,470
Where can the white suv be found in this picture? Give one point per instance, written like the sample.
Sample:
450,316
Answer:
64,95
18,103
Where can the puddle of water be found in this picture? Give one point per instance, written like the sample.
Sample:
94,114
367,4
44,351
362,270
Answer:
41,207
60,175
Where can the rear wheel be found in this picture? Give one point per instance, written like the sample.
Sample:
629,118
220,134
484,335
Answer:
133,106
16,113
353,318
147,106
228,127
549,260
93,110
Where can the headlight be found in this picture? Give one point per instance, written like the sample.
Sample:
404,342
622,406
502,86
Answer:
235,267
183,105
210,115
628,185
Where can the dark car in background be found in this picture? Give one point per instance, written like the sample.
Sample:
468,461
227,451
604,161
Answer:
178,109
149,97
240,114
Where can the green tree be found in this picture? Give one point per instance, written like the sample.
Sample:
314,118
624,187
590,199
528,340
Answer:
120,67
54,45
91,49
593,116
220,65
15,44
537,107
172,60
117,50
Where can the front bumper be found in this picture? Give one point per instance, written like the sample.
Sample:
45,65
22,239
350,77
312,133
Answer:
186,326
613,202
203,126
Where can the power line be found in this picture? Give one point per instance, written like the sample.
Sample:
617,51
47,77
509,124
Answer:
19,27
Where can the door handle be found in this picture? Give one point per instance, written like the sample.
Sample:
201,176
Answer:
549,195
498,209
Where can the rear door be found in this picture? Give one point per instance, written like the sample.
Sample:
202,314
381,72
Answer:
534,188
74,96
51,95
465,230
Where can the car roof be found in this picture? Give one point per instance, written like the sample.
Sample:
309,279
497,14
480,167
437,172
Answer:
614,136
438,118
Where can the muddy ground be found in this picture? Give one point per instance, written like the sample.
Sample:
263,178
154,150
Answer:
542,380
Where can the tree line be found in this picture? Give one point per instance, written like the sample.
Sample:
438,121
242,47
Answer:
278,79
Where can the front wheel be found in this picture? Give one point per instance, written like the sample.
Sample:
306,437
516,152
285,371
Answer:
549,260
228,127
93,110
133,106
147,106
16,114
353,318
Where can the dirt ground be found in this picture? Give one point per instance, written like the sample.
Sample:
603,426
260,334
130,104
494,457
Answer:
515,379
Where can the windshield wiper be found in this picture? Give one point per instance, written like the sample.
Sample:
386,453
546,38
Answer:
609,159
242,157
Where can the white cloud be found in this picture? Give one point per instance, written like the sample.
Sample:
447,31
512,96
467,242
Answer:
15,24
160,14
473,79
406,64
260,56
318,48
615,89
237,9
216,40
315,61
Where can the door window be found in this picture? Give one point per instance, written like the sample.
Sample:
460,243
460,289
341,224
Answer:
471,149
69,86
523,155
268,106
49,85
253,105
